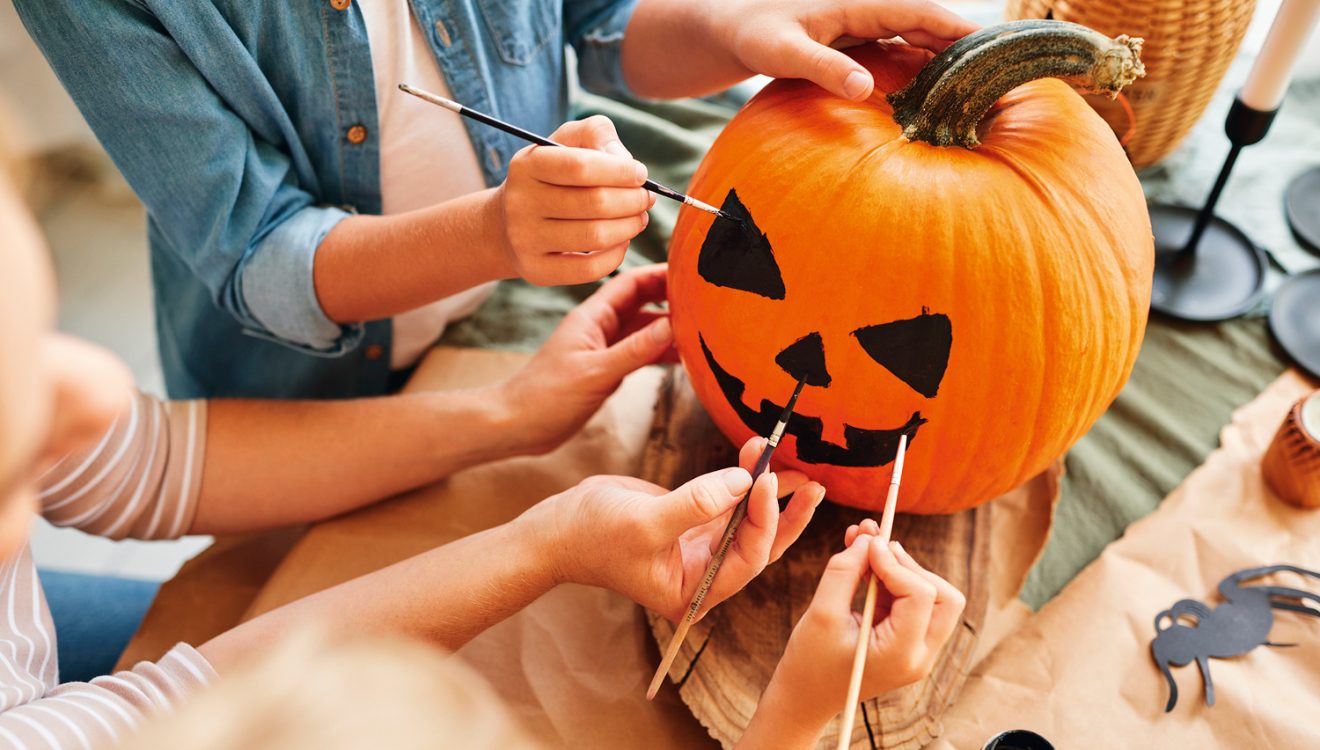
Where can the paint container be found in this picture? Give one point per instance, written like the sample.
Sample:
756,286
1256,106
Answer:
1292,462
1018,739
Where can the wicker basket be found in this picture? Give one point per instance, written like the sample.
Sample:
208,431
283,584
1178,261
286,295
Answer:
1189,45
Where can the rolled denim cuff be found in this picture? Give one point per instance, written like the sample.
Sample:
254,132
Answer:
279,293
600,64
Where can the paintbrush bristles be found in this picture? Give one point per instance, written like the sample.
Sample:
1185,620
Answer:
868,606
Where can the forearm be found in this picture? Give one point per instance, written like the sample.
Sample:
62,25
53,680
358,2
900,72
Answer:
276,463
781,722
372,267
676,48
446,596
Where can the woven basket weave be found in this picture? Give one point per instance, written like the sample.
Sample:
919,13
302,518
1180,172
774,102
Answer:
1189,45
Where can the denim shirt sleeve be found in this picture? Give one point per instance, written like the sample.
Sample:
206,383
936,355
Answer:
221,198
595,29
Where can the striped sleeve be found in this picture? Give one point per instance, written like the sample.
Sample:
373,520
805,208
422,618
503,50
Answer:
102,712
140,480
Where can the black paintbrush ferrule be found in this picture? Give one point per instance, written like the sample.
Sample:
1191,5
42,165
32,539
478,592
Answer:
657,188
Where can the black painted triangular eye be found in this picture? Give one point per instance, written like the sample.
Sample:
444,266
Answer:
915,350
738,256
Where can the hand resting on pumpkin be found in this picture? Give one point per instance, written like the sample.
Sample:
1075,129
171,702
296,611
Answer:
689,47
916,613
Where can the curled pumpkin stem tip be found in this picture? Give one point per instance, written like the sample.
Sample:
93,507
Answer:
946,101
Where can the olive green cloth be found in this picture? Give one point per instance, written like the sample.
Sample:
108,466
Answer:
1187,380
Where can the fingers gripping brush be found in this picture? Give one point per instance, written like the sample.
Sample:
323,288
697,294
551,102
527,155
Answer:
726,541
868,607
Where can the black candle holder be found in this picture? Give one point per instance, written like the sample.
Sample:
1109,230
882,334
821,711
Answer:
1302,206
1206,269
1295,319
1295,311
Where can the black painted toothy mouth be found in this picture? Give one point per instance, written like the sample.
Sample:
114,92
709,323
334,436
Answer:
864,448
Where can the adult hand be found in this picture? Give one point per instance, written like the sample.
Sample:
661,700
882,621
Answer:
916,612
793,39
568,213
613,332
653,545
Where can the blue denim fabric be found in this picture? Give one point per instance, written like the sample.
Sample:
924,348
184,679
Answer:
229,118
95,617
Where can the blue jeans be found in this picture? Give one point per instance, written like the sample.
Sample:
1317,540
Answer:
95,616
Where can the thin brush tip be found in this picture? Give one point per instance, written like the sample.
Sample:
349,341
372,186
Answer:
792,400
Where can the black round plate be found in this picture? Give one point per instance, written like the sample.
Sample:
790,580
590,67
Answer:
1225,278
1295,319
1302,205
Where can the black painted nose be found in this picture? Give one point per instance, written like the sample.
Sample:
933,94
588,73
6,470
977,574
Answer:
805,358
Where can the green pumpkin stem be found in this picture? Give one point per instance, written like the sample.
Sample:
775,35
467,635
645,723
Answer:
949,96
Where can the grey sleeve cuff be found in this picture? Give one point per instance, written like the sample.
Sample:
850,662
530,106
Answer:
600,68
277,289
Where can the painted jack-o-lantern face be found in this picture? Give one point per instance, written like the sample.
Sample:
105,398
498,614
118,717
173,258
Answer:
914,350
989,303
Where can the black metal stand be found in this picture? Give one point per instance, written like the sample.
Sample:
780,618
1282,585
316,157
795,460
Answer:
1205,268
1302,205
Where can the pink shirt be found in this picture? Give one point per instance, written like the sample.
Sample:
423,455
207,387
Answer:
140,480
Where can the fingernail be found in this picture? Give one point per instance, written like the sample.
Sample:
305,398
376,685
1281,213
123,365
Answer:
820,497
616,148
662,331
856,84
898,548
737,480
641,171
774,483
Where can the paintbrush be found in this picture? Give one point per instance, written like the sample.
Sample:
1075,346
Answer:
868,607
527,135
726,541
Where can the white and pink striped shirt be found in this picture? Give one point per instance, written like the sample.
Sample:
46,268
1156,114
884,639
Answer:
140,480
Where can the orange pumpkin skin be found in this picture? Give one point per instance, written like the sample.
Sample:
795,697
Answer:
1037,247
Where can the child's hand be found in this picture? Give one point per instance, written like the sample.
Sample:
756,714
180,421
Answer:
568,213
916,612
793,39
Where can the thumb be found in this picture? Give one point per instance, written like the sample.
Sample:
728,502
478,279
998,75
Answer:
844,571
595,132
828,68
640,348
701,500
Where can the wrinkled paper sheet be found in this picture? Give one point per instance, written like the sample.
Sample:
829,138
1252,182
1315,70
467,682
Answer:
1080,672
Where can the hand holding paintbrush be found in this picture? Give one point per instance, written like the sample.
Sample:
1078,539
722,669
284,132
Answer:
914,610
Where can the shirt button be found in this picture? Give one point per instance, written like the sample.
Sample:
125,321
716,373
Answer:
356,134
340,4
374,352
443,33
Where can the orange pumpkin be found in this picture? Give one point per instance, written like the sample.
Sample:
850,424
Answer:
987,295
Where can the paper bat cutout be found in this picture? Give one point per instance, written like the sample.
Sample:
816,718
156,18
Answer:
1231,629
